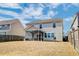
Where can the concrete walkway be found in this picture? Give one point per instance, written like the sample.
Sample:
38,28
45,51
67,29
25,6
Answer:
37,48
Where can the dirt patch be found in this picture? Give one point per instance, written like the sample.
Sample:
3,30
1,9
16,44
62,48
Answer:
37,48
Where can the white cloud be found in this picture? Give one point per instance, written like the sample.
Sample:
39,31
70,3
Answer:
2,18
66,7
42,17
41,5
47,16
32,12
10,5
14,14
75,4
55,5
52,5
11,13
52,13
67,23
68,19
37,12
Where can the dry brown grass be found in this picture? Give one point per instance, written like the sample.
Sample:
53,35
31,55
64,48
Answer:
36,48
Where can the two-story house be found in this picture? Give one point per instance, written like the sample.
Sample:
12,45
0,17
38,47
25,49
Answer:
51,29
11,30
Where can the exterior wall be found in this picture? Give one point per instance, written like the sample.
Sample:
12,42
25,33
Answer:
76,39
58,31
28,35
17,29
75,27
75,24
3,23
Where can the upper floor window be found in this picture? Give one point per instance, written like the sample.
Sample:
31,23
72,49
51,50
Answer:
54,25
5,27
40,26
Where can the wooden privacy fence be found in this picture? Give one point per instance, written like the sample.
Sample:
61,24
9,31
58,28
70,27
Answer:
73,38
11,38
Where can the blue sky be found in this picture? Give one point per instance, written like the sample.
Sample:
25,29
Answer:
27,12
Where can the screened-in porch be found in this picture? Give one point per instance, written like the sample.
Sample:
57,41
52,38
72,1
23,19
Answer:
36,35
39,35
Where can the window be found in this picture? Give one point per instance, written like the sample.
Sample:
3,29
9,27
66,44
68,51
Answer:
45,35
0,26
40,26
52,34
48,35
54,25
5,27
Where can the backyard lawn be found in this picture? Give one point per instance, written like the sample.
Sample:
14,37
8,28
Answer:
36,48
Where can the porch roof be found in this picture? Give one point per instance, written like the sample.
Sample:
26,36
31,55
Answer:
35,31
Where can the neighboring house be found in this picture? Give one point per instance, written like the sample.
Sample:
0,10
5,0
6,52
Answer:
73,34
51,29
12,29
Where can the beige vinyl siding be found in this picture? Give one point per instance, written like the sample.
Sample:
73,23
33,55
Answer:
58,31
28,35
75,24
48,28
73,34
17,29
